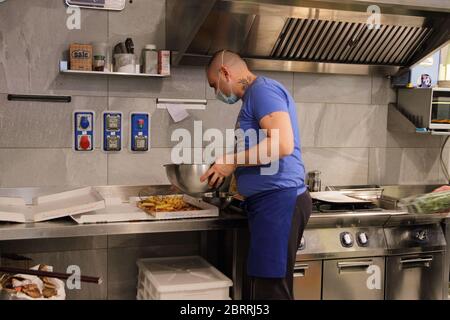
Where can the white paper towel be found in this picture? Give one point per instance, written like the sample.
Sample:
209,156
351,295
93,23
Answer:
177,112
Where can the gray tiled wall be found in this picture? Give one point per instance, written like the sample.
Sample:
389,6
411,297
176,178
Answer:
343,127
343,118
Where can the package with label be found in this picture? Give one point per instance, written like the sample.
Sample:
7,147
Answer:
81,57
164,62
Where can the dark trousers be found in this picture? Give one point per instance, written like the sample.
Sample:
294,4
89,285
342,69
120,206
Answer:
282,288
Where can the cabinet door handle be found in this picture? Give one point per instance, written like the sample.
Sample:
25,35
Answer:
300,270
353,264
424,261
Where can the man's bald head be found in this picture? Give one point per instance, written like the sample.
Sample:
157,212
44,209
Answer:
229,73
228,59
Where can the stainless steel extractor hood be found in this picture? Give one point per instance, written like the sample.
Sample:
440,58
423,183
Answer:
330,36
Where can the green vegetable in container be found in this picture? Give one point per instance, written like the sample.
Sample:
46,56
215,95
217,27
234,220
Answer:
437,202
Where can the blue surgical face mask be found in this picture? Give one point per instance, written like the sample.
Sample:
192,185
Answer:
232,98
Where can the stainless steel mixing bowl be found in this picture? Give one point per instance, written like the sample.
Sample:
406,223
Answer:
186,177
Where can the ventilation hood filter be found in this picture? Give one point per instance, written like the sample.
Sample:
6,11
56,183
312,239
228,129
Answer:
309,36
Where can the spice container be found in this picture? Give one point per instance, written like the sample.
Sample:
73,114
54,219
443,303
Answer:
80,57
99,52
108,60
150,59
164,63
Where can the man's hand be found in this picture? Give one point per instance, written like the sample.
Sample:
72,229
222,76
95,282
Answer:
443,188
218,172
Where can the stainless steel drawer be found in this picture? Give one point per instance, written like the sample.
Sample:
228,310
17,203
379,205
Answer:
308,280
415,277
354,279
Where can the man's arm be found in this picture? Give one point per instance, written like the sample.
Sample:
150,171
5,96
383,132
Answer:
279,135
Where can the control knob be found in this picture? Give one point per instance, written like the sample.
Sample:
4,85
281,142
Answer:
422,235
346,239
302,244
363,239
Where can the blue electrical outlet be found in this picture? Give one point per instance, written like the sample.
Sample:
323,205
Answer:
140,132
83,130
112,131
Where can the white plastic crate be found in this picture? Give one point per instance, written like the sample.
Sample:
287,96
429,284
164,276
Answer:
181,278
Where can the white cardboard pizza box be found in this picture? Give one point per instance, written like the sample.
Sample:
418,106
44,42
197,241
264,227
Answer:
53,206
114,212
118,211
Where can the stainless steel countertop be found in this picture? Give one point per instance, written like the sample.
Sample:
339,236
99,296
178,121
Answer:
66,228
228,219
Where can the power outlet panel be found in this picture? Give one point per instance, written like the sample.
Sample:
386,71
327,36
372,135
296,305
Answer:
140,132
112,131
84,124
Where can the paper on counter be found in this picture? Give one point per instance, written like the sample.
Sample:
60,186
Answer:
177,112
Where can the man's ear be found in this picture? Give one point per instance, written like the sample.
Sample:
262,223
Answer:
225,72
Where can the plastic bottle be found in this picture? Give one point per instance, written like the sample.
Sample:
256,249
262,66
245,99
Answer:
150,59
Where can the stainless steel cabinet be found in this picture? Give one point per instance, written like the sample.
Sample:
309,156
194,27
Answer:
414,277
308,280
354,279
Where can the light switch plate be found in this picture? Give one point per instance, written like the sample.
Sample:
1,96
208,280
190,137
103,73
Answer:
139,132
83,124
112,131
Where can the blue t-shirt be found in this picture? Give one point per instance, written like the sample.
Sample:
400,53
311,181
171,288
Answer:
263,97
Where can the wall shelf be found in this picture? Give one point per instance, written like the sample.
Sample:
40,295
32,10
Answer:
398,122
116,74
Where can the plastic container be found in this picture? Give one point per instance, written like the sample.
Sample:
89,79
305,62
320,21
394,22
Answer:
99,50
437,202
150,59
125,63
181,278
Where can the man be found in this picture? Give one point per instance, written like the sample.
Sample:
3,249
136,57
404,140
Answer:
278,204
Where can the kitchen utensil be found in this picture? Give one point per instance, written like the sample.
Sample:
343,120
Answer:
14,257
186,177
129,44
57,275
117,49
120,48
